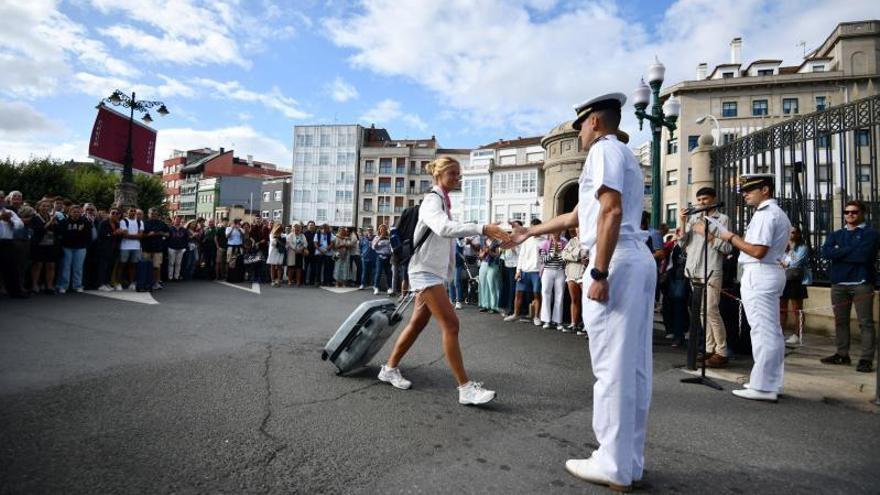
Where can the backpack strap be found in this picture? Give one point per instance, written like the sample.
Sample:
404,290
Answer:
428,230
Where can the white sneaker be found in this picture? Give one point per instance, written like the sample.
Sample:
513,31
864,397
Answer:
393,376
545,326
132,288
105,288
669,336
361,287
62,291
587,470
561,328
156,286
537,322
748,393
389,291
458,305
78,290
473,393
793,340
748,386
511,318
375,292
117,287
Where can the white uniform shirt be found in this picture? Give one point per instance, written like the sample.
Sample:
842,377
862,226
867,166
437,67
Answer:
6,228
769,227
611,164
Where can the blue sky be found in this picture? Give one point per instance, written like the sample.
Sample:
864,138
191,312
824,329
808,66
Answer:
241,74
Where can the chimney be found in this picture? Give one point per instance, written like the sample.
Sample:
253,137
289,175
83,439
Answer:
702,69
736,45
222,150
250,160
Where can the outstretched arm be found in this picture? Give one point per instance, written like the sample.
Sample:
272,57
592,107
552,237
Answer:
555,224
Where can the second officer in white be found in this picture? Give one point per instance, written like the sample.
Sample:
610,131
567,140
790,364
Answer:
761,252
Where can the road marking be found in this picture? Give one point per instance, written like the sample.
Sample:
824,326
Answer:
128,296
340,290
255,286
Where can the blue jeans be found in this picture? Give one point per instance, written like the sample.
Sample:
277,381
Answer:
508,288
383,265
454,285
367,266
72,261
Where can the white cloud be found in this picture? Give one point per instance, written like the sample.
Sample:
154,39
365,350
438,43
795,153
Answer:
244,139
342,91
102,86
17,118
273,99
388,112
25,149
505,64
40,44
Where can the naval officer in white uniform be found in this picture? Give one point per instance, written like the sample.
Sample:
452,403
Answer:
618,294
763,278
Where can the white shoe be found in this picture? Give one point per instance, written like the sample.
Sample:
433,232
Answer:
105,288
669,336
62,291
78,290
389,291
473,393
561,328
748,393
511,318
117,287
132,287
458,305
793,340
748,386
361,287
156,286
375,292
587,470
393,376
537,322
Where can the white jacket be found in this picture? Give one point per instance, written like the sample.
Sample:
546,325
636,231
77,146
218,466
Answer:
437,254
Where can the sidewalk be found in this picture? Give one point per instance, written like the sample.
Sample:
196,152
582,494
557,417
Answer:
807,378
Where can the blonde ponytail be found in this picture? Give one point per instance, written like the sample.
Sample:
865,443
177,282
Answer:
439,164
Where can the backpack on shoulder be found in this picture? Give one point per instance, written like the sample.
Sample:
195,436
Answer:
406,229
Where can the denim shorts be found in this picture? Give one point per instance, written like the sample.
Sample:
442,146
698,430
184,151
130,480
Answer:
129,255
424,280
529,282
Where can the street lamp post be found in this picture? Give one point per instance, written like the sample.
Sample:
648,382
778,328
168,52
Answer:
660,117
126,191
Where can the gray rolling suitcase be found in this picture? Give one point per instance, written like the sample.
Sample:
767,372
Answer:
364,333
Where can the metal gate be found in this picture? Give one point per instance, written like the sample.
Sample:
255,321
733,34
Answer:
821,160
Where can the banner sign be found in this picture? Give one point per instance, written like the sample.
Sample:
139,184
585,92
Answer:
110,139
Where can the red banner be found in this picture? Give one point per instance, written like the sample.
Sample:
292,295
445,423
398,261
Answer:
110,139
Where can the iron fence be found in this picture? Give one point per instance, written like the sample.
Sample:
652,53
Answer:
821,160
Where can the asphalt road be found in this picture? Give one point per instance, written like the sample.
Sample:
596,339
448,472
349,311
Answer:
220,390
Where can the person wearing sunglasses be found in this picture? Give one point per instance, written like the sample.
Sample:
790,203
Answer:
852,251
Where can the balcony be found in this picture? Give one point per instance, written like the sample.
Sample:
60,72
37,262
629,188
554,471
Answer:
385,190
368,190
399,190
384,209
400,171
398,209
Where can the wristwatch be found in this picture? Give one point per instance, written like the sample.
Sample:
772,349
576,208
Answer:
597,274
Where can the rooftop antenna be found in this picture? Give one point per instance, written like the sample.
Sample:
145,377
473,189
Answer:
803,45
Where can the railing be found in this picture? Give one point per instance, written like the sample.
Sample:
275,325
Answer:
823,159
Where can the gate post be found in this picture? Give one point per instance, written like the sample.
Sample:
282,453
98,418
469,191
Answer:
701,165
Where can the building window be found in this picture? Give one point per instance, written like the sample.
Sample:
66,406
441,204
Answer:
321,215
824,172
759,108
535,157
369,167
276,214
692,142
790,106
671,177
727,75
368,186
820,103
728,109
278,195
399,186
265,214
671,215
818,68
863,174
384,186
728,137
385,166
672,146
322,196
266,195
863,137
822,141
765,72
368,204
401,166
424,186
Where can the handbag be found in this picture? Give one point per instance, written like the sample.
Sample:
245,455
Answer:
794,273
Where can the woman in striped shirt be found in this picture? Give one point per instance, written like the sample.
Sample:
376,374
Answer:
552,281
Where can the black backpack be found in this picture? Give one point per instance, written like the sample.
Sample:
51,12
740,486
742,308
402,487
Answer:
406,229
281,244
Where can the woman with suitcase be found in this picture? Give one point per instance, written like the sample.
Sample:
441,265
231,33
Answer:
430,266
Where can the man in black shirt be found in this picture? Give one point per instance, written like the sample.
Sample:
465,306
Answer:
76,234
107,249
220,246
153,244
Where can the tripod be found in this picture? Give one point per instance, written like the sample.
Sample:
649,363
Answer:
692,345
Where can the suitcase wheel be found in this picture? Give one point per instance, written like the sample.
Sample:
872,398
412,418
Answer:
324,355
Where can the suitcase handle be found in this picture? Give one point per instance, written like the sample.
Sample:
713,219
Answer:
397,315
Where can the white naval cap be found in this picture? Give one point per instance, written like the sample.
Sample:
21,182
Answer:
747,182
610,100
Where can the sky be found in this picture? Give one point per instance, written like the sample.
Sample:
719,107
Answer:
240,74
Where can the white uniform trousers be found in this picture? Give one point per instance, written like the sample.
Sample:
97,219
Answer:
762,285
552,292
620,331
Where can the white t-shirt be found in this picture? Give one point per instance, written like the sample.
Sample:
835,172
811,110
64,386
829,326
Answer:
611,164
134,227
769,227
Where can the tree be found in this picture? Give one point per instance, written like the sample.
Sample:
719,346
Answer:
151,192
92,184
10,176
44,177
